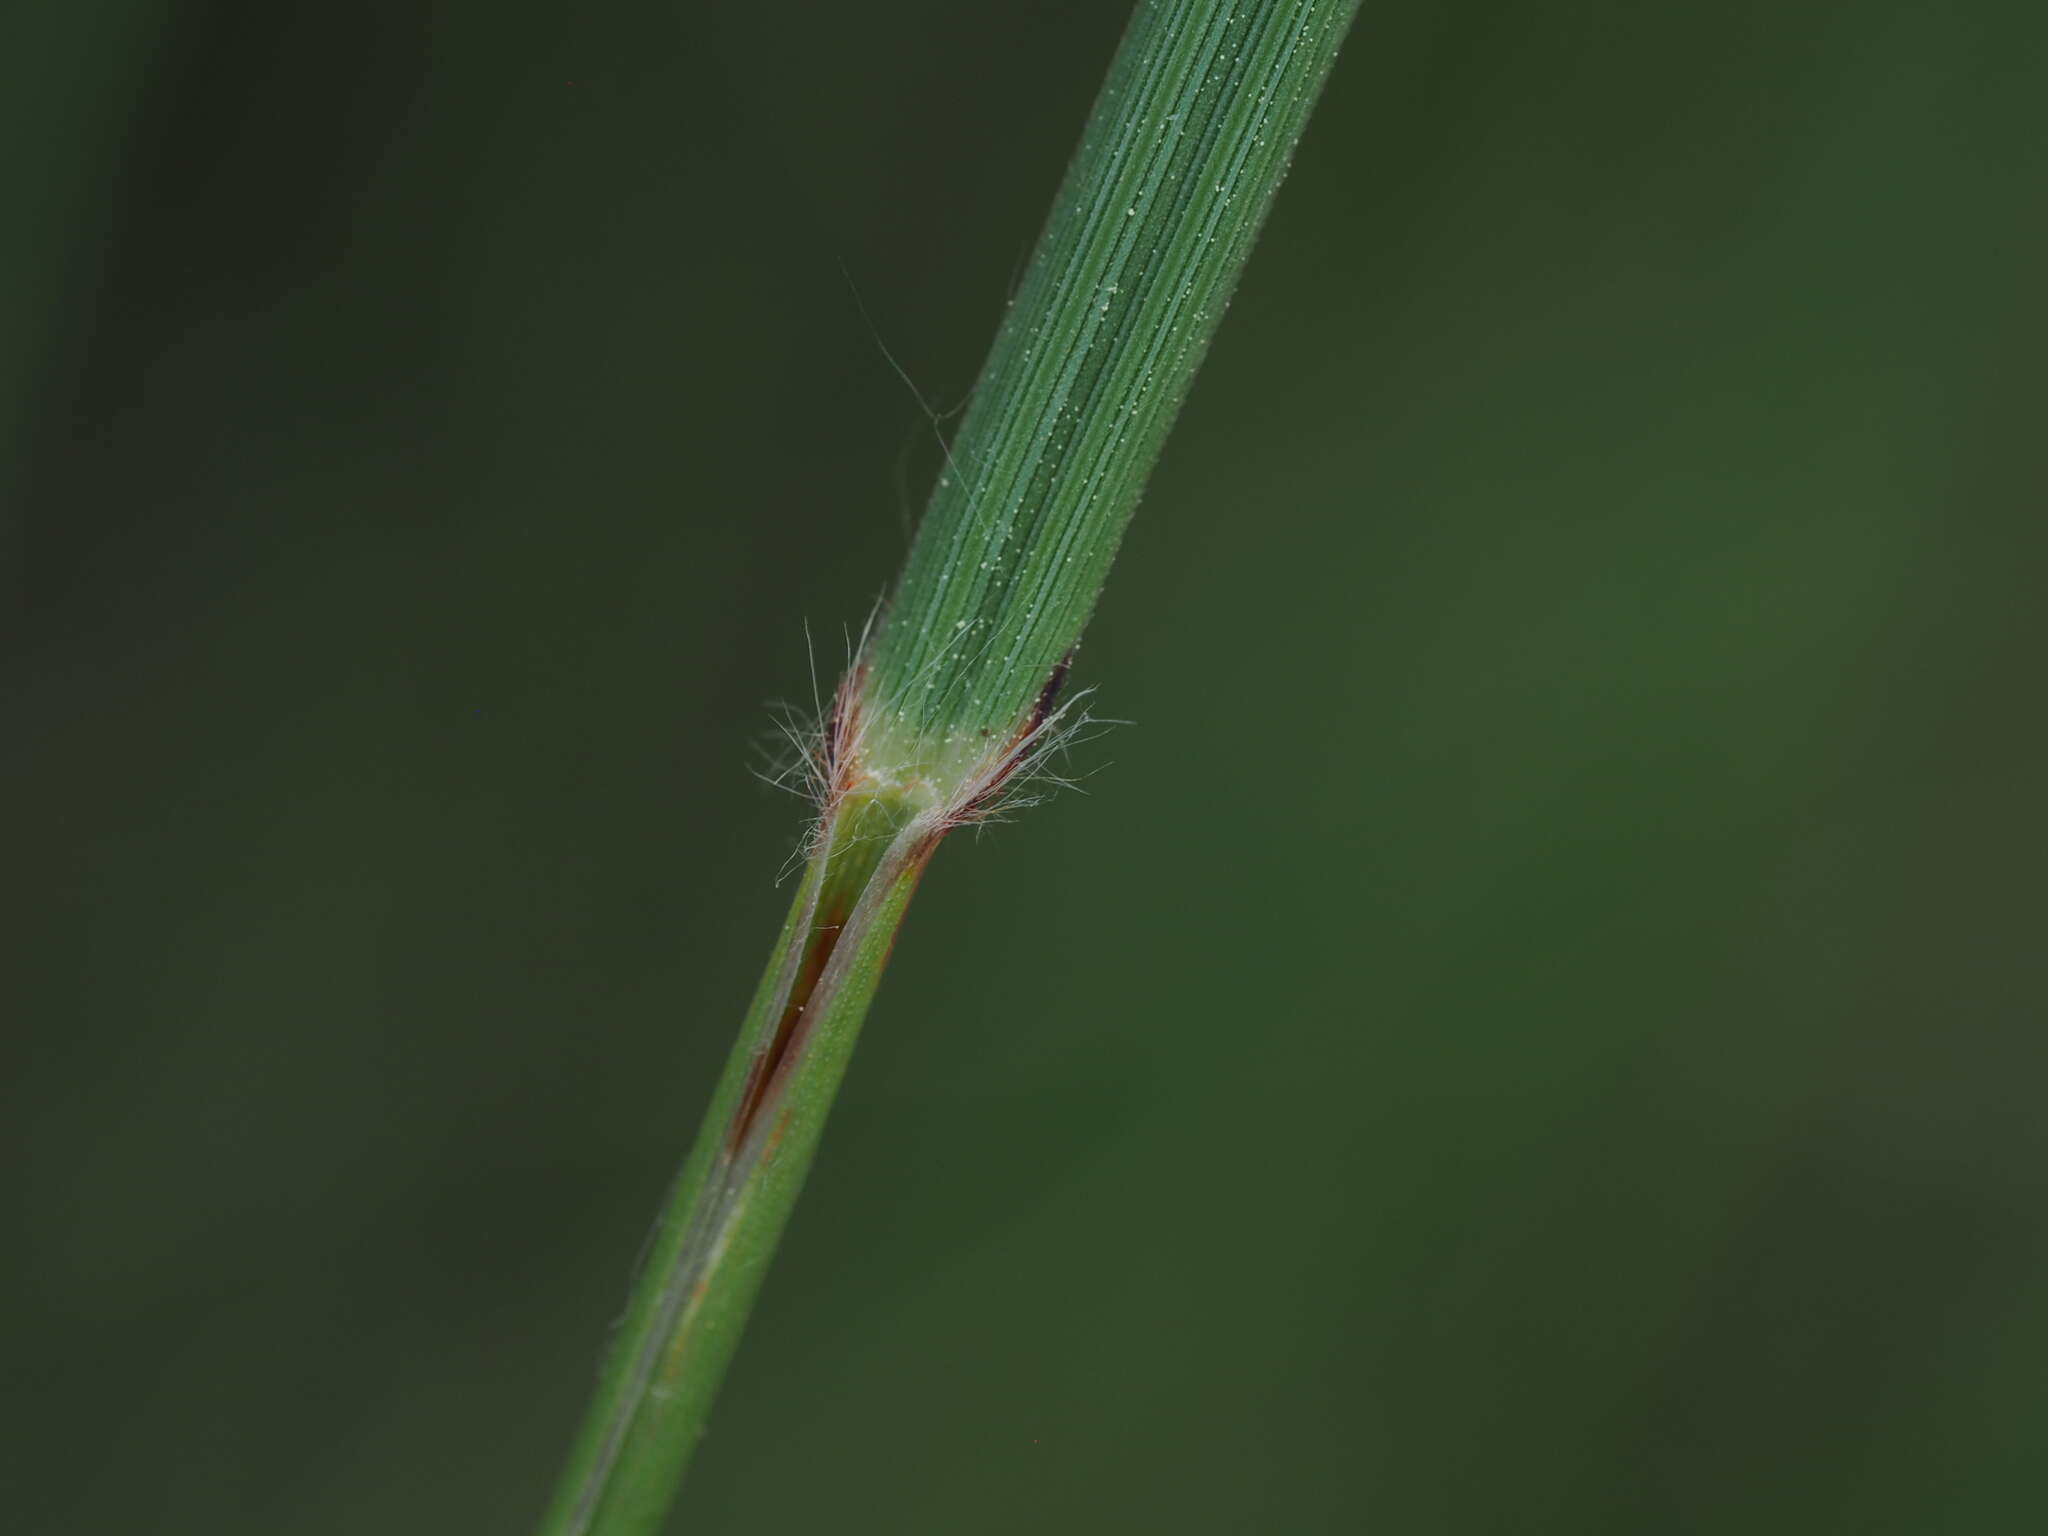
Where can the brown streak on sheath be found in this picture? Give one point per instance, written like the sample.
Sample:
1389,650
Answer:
771,1063
769,1060
765,1071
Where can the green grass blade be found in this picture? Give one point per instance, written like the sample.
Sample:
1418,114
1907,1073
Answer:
1178,166
1186,147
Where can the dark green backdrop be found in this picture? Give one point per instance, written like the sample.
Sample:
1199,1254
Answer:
1537,1027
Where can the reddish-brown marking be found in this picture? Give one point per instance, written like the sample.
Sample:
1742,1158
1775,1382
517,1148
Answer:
768,1061
771,1063
1049,695
1017,751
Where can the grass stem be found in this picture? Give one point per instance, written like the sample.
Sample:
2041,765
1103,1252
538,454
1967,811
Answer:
958,694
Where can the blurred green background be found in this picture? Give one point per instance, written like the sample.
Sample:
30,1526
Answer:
1536,1027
